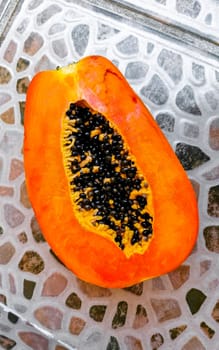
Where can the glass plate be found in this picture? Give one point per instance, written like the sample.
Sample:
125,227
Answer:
43,305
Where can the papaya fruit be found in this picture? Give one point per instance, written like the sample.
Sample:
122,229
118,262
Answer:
107,189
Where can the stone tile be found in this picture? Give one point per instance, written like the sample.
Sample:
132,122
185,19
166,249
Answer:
3,299
190,8
196,187
7,250
191,130
24,199
8,116
211,99
76,325
166,121
22,109
208,19
73,301
60,347
33,43
44,64
120,315
93,291
195,298
5,75
47,13
129,45
133,343
22,237
33,4
113,344
150,48
1,166
105,31
31,262
172,64
156,341
179,276
211,236
198,72
60,48
10,51
157,284
136,289
11,142
156,91
36,231
28,288
4,329
213,201
22,64
185,101
97,312
208,331
193,344
23,25
7,343
22,85
6,191
213,285
13,318
166,309
34,341
214,134
163,2
80,37
215,312
190,156
56,28
141,317
136,70
93,340
12,284
175,332
13,216
205,265
212,173
54,285
50,317
4,98
20,308
16,169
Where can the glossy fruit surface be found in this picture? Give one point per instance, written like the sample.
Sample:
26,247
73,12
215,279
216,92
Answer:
111,197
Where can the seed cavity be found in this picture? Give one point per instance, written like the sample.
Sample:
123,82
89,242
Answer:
110,195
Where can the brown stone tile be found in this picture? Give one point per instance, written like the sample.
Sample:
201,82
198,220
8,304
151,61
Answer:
54,285
8,116
76,325
166,309
50,317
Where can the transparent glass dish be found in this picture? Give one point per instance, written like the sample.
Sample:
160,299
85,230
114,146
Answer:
175,70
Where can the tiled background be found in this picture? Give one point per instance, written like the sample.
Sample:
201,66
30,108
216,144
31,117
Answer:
176,311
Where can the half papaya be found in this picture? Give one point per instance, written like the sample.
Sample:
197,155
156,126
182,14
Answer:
109,193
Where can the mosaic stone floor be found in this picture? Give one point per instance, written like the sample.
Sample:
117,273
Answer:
42,305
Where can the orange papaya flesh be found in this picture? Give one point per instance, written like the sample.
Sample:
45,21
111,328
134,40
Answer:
111,197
